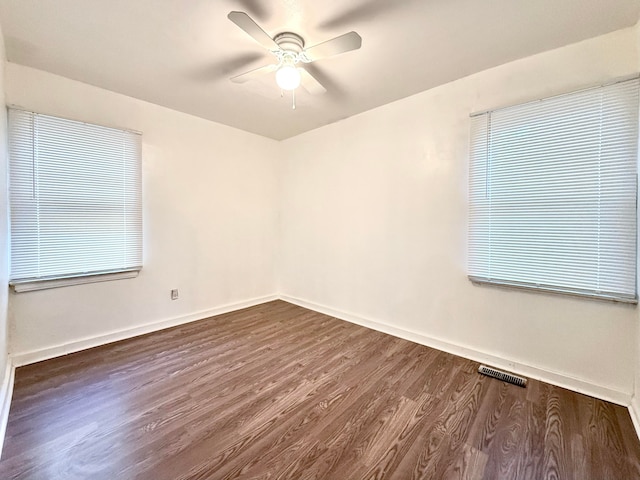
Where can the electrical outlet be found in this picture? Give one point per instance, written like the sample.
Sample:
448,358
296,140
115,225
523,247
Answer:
174,294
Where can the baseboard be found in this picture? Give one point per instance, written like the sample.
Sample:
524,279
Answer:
25,358
554,378
634,411
6,392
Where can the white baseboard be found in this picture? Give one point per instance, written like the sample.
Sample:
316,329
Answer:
24,358
634,411
6,392
554,378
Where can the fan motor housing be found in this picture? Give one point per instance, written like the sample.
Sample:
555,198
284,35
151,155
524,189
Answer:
289,42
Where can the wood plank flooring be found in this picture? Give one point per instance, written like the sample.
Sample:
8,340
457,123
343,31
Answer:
280,392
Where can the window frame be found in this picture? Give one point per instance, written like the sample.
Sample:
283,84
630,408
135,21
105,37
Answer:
540,287
91,276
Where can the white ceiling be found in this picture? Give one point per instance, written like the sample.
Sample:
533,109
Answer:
180,54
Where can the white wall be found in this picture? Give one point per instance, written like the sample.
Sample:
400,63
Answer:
4,225
209,207
374,225
635,403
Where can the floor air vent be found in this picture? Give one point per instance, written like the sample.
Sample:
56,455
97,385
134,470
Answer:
504,376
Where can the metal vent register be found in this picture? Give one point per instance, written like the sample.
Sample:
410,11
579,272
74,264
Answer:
504,376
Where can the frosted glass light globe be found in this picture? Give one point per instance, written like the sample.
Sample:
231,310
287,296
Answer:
288,77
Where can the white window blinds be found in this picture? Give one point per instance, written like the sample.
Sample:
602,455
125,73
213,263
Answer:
75,198
553,193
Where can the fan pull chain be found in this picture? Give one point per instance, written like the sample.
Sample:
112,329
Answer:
293,99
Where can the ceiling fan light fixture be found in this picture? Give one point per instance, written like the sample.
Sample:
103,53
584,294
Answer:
289,50
288,77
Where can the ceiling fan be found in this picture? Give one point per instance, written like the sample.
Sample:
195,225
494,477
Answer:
290,53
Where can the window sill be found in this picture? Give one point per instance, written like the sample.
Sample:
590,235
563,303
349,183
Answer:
20,286
552,290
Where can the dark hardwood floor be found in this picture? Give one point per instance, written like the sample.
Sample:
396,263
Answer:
277,391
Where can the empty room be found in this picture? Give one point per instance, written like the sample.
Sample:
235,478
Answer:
251,239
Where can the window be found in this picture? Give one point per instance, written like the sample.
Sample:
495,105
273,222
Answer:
75,200
553,194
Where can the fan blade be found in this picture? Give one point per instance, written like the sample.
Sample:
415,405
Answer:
343,43
245,22
223,68
310,83
255,8
365,11
251,74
